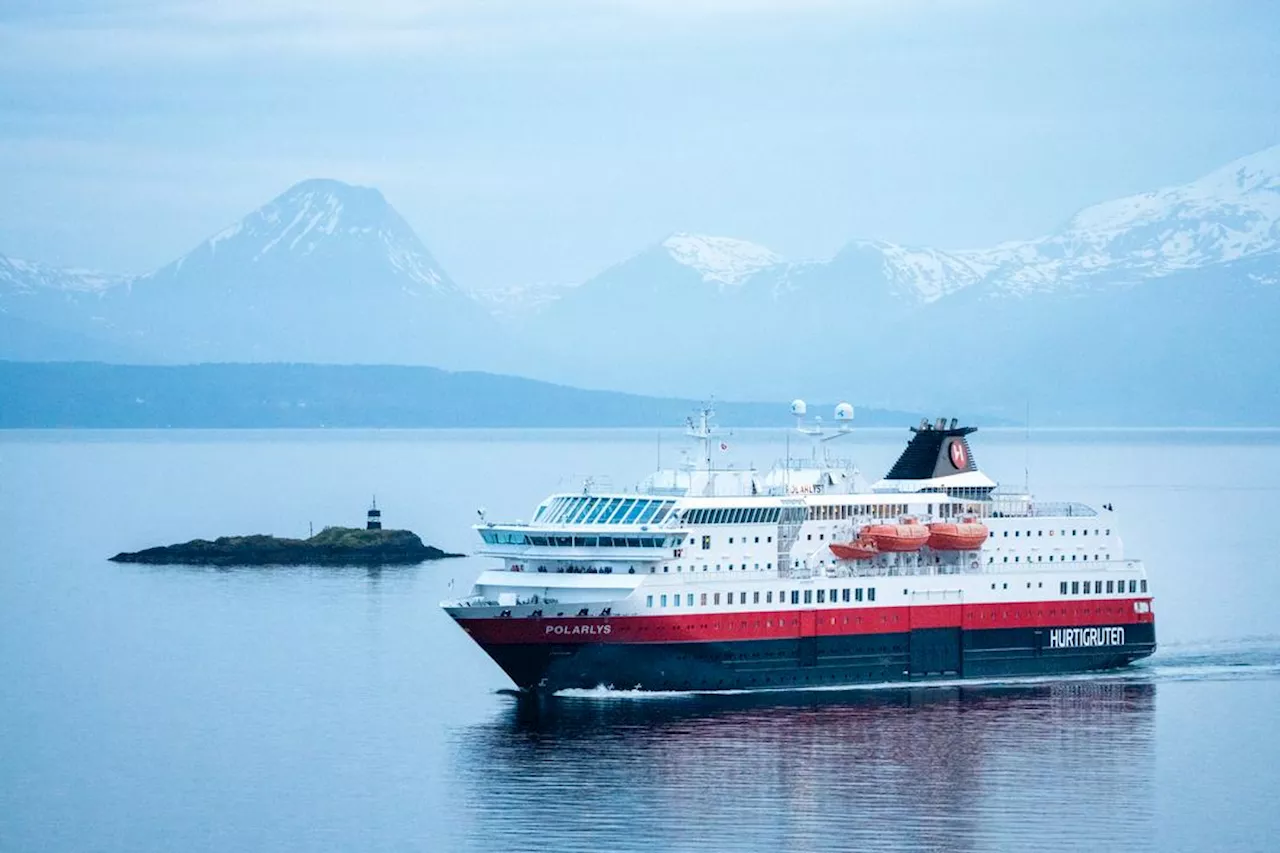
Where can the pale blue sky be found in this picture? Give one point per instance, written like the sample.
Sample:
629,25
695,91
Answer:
535,142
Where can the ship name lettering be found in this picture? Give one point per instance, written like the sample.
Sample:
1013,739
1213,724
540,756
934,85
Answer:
1077,638
562,630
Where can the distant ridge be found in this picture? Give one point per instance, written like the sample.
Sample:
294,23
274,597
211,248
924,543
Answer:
231,396
1156,307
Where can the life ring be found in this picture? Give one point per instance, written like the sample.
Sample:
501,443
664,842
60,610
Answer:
974,564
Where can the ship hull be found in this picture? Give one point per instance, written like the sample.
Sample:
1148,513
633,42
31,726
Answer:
763,664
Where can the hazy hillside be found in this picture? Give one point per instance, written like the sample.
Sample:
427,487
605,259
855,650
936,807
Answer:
301,395
326,272
1157,307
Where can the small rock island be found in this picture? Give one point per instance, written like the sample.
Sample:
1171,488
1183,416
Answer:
332,546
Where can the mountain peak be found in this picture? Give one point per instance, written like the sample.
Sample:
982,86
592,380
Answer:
723,260
324,224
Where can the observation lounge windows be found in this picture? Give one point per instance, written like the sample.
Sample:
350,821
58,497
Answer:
633,512
604,510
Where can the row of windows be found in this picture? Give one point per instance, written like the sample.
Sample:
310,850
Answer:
835,595
588,510
839,512
706,541
705,567
1062,558
1111,587
517,537
733,515
1063,532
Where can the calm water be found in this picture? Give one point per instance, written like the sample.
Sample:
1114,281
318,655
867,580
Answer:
147,708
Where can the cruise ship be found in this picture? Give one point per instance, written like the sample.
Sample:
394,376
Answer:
711,578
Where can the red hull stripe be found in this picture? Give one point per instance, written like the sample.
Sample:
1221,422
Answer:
786,624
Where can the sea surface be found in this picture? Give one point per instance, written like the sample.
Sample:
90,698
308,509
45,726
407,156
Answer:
182,709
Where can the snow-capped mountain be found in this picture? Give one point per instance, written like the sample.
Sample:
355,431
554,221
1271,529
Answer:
27,277
325,272
307,230
1229,215
1165,298
723,261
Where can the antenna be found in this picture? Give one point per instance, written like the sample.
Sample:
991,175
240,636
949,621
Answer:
1026,453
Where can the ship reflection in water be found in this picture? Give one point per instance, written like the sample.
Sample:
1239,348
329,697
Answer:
1063,766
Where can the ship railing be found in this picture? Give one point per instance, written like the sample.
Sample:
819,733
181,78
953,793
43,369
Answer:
1025,508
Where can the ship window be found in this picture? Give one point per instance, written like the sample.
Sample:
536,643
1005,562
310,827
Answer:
857,594
809,536
755,597
1085,557
633,542
768,539
664,601
717,598
1133,586
633,512
730,540
1144,585
768,597
1017,533
768,565
1111,586
1062,588
871,594
648,601
833,595
795,596
1050,558
1108,531
822,596
757,542
1073,533
1075,587
614,512
706,543
1006,534
588,506
646,515
704,600
1006,559
1039,532
677,600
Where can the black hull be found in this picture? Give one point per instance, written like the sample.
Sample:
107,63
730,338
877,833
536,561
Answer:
921,655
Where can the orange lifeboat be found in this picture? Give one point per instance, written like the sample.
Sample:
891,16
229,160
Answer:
859,549
910,535
967,535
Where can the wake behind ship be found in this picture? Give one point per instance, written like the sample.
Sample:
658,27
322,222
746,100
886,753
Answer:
722,579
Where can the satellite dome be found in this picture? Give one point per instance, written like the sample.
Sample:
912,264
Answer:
844,412
798,408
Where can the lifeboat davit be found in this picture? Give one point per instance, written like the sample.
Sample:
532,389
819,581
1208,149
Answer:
910,535
967,535
859,549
